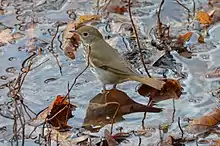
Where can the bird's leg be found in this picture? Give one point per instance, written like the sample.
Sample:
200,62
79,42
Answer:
104,88
114,86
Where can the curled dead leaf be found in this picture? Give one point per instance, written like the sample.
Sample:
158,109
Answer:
183,38
204,18
57,114
171,89
70,39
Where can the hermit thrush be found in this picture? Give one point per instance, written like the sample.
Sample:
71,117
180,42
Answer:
106,62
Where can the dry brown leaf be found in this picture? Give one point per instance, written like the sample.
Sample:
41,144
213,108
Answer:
87,18
58,113
171,89
183,38
120,10
104,105
205,122
201,39
186,54
204,18
70,39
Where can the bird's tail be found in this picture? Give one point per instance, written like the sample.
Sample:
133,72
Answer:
154,83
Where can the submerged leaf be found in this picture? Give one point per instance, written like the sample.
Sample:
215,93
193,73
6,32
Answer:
205,122
104,106
213,74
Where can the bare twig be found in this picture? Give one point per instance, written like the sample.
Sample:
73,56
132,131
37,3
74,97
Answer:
113,118
75,79
194,8
137,38
180,127
143,119
139,143
21,121
159,23
174,110
184,8
52,51
39,64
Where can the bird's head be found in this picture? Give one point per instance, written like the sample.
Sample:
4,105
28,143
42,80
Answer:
89,34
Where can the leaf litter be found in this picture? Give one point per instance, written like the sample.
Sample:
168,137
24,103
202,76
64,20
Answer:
110,106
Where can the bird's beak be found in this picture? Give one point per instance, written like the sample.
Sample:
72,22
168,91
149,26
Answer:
73,31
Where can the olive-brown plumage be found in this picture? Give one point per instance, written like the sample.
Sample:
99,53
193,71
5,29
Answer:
107,64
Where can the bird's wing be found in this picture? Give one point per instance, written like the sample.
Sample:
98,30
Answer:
111,60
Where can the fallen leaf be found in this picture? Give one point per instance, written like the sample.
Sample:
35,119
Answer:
201,39
70,39
184,37
176,140
57,114
204,18
103,107
213,74
205,122
186,54
87,18
6,36
171,89
120,10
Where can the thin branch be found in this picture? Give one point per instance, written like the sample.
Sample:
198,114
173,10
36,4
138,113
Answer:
159,23
139,143
137,38
75,79
180,127
113,118
184,8
194,8
39,65
174,110
52,51
142,122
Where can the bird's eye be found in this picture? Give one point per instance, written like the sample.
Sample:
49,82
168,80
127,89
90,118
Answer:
85,34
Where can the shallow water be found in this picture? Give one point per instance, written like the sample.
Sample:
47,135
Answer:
36,19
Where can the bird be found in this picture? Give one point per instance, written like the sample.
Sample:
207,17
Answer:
107,64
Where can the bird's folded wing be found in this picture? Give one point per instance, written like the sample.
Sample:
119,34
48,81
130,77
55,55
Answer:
116,67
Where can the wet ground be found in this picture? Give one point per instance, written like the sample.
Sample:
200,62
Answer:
33,24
